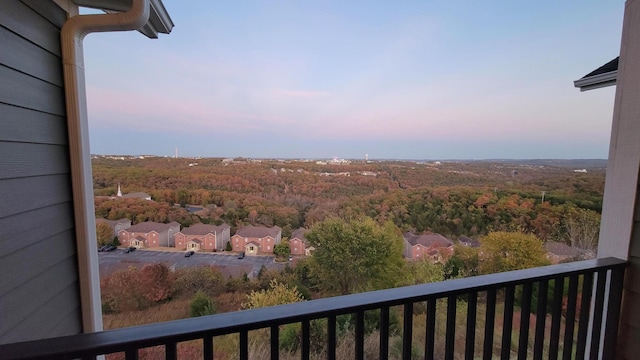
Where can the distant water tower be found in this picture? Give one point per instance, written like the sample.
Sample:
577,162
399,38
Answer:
366,157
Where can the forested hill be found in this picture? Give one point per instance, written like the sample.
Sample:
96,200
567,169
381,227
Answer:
453,198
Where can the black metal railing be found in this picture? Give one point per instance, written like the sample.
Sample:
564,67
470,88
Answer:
565,311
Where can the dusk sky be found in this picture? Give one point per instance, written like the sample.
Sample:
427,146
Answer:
392,79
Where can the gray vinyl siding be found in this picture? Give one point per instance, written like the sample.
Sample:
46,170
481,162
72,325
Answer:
39,290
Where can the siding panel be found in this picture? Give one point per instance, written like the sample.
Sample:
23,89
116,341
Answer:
32,227
29,92
39,290
22,125
24,160
34,192
25,22
44,253
34,320
49,10
29,58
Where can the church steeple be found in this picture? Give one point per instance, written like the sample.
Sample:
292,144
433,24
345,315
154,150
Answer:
119,191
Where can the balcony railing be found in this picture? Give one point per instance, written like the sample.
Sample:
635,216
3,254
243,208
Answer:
565,311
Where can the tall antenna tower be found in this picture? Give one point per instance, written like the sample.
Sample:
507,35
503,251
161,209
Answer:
176,152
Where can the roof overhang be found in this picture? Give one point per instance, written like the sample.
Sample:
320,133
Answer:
159,19
603,76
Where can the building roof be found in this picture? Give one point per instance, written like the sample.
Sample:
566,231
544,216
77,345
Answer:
258,231
428,240
149,226
299,234
203,229
197,241
113,223
469,241
605,75
561,249
136,195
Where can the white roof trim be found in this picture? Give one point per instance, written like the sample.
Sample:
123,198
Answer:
597,81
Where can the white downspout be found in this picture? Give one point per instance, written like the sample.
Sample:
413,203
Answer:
72,35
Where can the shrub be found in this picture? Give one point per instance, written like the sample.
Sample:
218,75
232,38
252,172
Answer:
201,305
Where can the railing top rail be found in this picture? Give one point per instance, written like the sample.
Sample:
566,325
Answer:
181,330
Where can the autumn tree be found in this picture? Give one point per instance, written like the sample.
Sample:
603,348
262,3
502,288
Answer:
277,294
104,233
506,251
355,255
582,228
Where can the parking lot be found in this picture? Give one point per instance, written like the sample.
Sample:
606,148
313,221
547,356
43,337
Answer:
228,263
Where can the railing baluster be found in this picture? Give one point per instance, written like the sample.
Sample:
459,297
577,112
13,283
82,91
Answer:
170,350
359,335
598,309
541,317
384,333
507,324
583,325
407,333
613,314
430,341
306,343
490,319
244,345
556,317
207,347
472,304
331,337
275,342
525,316
570,319
131,354
450,339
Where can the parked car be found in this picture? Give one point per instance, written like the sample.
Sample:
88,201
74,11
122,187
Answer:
189,253
241,255
110,248
103,248
130,249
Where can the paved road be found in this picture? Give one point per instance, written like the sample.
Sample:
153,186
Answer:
229,264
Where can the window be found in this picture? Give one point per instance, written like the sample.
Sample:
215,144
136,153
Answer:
268,247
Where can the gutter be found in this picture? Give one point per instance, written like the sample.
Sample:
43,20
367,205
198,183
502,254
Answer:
596,81
72,35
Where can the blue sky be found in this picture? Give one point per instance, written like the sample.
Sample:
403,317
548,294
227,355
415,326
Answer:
321,79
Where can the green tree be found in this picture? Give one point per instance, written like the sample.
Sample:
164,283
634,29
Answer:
506,251
282,250
201,305
422,272
228,246
463,263
355,255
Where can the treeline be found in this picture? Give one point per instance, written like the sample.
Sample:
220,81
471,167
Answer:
454,199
